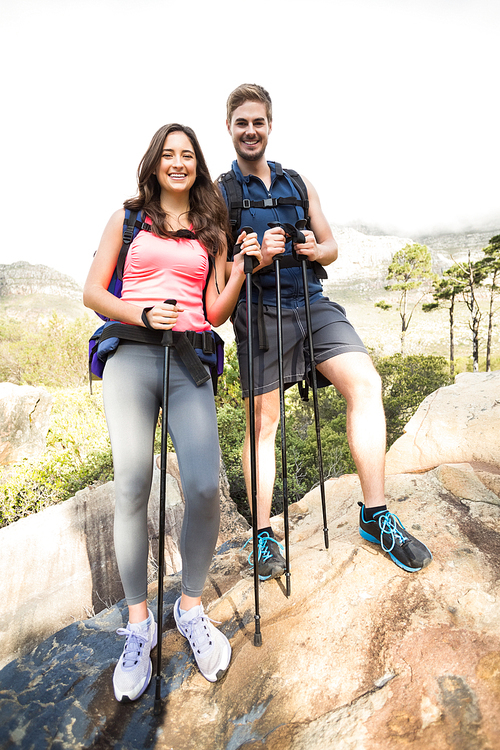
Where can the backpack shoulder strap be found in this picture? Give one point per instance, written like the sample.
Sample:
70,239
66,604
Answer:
133,223
235,201
300,185
234,194
211,267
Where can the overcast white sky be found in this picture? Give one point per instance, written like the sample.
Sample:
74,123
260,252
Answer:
390,107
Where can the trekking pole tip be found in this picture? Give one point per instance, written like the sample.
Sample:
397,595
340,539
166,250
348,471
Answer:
257,639
327,543
158,703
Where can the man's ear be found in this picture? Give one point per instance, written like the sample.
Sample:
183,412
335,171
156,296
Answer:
228,126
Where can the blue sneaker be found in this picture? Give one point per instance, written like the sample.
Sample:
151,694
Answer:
387,530
271,562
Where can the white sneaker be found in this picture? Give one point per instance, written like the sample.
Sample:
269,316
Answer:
210,647
133,672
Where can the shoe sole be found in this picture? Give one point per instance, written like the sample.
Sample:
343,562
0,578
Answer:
277,574
370,538
124,698
222,671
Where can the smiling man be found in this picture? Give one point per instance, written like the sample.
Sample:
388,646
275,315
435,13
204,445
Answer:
258,192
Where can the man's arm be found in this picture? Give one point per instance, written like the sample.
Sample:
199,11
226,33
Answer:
320,243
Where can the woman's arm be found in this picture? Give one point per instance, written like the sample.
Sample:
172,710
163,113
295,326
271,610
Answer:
95,291
220,304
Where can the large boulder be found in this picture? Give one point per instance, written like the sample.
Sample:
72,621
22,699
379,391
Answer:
454,424
59,565
24,421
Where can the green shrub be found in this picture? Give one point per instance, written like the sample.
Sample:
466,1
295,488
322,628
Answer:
78,454
406,381
53,354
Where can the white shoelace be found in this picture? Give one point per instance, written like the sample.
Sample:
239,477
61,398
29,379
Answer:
198,633
134,646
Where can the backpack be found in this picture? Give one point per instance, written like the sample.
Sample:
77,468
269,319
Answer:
207,347
235,203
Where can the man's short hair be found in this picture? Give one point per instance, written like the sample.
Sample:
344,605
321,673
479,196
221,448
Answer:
249,92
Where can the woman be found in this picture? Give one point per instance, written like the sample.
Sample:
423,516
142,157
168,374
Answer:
189,224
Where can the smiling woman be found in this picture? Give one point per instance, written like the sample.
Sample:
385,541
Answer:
182,237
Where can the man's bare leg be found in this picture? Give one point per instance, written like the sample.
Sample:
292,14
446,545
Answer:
271,561
267,413
355,377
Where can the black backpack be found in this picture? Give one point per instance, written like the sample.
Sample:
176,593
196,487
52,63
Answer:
234,194
236,203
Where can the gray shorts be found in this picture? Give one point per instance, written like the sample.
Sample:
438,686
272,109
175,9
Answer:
333,334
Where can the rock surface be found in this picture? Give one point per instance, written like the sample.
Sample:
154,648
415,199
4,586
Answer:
363,257
24,421
69,570
361,656
453,424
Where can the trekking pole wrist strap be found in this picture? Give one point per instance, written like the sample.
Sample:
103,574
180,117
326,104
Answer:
145,320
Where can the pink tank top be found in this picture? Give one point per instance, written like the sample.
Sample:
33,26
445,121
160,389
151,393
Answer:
157,269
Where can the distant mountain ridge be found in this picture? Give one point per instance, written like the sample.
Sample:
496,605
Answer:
25,279
362,263
364,258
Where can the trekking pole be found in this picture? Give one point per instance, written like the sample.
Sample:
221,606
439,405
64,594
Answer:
167,342
284,468
299,238
249,264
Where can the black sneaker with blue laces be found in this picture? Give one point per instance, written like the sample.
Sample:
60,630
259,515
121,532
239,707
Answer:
271,561
387,530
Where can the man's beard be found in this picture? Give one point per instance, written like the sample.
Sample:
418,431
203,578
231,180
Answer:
252,156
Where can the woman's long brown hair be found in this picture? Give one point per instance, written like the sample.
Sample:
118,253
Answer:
208,212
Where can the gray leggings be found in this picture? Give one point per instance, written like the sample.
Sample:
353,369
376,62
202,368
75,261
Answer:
132,391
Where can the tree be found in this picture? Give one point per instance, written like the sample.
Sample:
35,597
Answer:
490,265
472,275
447,288
409,269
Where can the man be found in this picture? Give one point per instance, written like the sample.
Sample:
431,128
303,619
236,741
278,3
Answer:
269,194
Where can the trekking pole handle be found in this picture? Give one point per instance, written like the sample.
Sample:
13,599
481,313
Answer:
168,336
294,232
249,261
299,226
298,239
